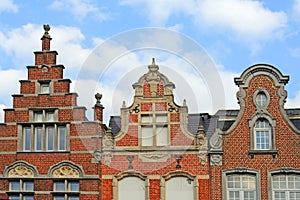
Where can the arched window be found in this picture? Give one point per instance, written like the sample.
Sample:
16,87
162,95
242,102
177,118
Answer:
241,184
262,135
286,186
132,188
180,188
261,99
241,187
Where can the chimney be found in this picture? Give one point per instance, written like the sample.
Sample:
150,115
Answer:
98,108
45,57
46,38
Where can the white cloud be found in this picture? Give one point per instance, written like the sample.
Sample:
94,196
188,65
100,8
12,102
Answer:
19,44
248,20
81,9
8,5
9,78
296,9
2,113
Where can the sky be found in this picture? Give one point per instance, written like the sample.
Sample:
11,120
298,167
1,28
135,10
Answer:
106,45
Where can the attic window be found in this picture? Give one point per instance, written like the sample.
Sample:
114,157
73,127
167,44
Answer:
261,99
44,86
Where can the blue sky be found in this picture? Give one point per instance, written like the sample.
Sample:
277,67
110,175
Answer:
234,33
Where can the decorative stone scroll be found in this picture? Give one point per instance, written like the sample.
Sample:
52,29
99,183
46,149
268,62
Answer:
66,171
20,171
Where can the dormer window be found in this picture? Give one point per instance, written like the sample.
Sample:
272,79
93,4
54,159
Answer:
262,135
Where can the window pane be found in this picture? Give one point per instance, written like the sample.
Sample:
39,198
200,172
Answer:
62,138
234,195
249,195
162,137
38,138
179,188
27,138
15,185
262,140
59,198
50,138
131,188
74,186
45,89
28,198
73,198
28,186
147,118
38,117
59,186
295,195
279,196
161,118
50,116
14,197
261,99
147,136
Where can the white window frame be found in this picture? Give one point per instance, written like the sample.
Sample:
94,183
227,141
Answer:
67,193
241,189
43,119
240,172
263,130
156,125
22,193
286,191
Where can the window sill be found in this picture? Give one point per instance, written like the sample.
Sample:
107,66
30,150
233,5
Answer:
271,151
44,152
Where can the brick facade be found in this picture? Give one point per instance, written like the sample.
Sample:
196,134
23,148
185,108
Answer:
46,141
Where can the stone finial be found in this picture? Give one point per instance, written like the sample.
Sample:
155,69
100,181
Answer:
46,28
184,102
123,104
98,98
153,67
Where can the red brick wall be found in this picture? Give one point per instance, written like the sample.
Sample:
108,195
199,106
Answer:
237,143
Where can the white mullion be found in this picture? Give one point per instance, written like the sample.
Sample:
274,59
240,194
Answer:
55,138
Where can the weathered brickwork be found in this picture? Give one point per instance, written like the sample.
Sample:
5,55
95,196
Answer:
46,138
237,142
57,107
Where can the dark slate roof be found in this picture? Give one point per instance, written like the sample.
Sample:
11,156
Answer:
115,124
211,122
225,124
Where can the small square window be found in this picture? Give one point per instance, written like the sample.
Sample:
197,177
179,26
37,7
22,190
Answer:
50,116
38,116
45,88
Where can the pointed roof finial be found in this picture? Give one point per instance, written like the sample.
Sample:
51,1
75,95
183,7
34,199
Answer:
153,67
153,61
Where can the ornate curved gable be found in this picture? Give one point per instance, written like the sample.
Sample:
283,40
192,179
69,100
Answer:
261,69
153,83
